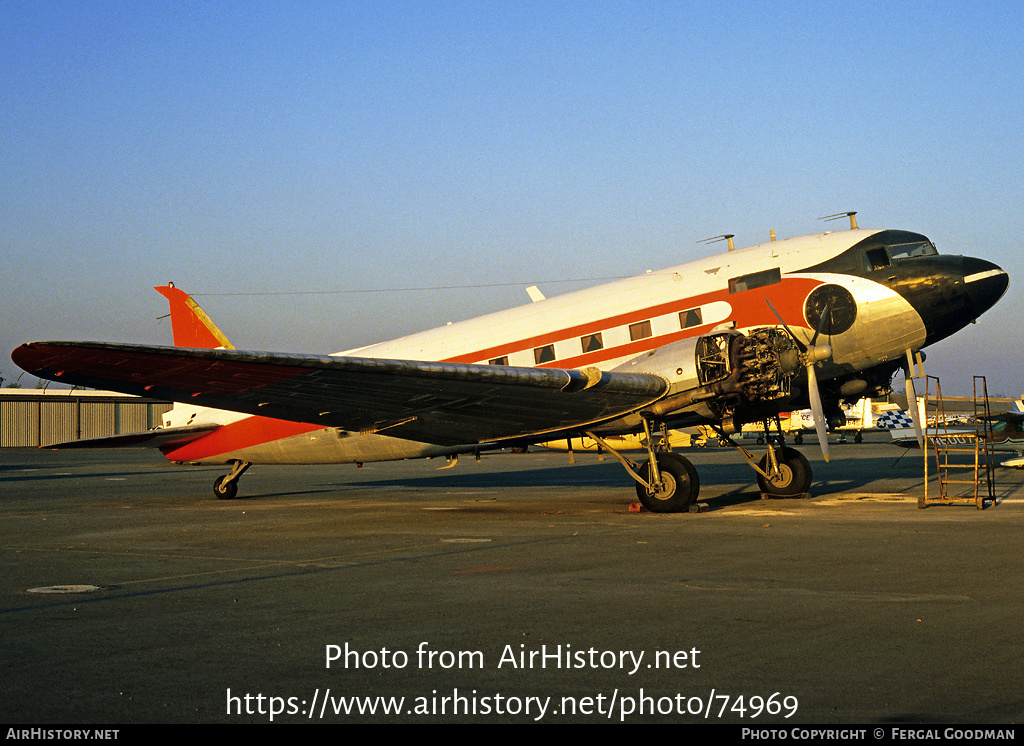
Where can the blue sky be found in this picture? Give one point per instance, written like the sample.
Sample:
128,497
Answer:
279,160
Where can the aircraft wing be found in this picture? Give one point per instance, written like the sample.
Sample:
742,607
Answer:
433,402
1009,416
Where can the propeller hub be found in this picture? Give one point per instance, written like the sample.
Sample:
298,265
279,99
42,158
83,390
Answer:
817,353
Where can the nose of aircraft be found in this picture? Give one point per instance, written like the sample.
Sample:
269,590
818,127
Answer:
984,283
948,291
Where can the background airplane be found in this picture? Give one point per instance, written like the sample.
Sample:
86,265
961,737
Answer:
855,418
1007,432
817,321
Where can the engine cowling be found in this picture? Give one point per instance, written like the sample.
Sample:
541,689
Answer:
725,376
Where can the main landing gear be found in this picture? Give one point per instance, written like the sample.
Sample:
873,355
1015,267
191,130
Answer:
678,488
783,471
668,483
226,487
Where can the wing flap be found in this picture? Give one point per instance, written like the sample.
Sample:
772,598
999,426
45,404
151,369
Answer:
434,402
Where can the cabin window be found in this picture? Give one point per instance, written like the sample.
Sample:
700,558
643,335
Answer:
544,354
640,330
592,342
755,280
498,361
693,317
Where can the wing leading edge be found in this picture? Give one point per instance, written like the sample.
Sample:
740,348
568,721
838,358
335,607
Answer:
433,402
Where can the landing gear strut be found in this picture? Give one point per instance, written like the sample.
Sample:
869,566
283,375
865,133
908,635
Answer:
791,476
226,487
679,485
783,471
667,482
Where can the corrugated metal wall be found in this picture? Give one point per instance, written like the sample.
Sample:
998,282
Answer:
39,419
19,423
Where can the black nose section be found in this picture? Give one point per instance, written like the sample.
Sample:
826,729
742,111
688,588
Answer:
984,283
949,292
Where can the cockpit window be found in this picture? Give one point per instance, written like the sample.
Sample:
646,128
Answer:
877,258
883,256
908,250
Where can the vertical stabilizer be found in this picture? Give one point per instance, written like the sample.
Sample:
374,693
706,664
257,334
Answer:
190,324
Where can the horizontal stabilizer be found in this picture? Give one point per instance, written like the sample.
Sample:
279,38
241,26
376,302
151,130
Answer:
162,438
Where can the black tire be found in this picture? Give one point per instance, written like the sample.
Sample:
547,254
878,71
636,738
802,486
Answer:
224,489
794,477
681,482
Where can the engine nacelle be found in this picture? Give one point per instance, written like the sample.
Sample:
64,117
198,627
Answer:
722,372
689,363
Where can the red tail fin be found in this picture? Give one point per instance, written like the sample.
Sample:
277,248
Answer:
189,323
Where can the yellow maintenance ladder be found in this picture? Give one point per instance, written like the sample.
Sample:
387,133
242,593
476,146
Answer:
961,457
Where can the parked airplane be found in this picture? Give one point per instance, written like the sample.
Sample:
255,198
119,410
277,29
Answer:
816,321
856,418
1007,432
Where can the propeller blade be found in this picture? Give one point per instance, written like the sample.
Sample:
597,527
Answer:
811,354
915,412
826,314
800,345
820,425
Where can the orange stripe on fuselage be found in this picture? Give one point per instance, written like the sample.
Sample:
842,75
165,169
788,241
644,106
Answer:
749,309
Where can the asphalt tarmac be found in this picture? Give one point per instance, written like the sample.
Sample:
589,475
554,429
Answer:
515,589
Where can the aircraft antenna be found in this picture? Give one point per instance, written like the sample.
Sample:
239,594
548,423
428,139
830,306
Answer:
852,215
724,237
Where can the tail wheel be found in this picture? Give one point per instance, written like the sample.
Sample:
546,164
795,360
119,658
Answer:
681,485
794,477
225,488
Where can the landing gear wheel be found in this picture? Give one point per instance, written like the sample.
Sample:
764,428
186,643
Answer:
225,488
794,476
680,481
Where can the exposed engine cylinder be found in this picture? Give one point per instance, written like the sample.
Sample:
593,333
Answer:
767,359
725,371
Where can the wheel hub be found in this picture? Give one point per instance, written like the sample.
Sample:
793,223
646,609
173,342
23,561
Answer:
783,477
668,487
